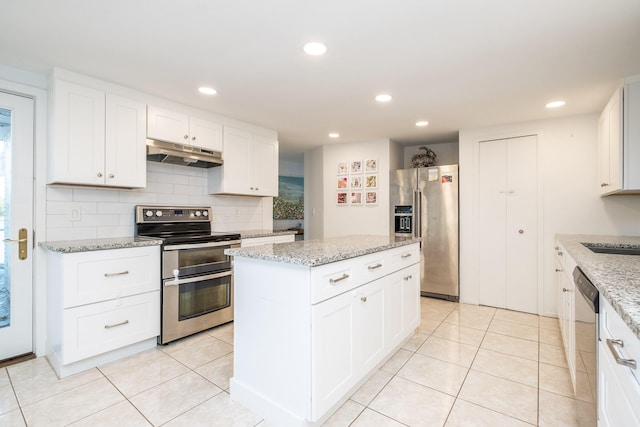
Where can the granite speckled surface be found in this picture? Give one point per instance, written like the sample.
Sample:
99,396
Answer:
250,234
313,253
617,277
86,245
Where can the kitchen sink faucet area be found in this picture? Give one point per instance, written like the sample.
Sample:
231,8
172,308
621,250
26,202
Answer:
465,365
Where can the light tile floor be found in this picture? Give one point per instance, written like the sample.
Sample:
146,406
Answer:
466,365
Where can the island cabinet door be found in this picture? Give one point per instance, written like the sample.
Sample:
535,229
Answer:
348,340
403,304
332,351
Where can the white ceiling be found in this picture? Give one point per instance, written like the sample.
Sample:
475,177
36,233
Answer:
458,64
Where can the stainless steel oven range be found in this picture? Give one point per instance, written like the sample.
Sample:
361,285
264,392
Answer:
197,277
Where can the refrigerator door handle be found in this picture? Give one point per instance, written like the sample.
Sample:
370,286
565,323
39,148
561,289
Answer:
417,213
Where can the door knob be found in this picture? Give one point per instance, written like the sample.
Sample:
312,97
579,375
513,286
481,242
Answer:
22,243
521,231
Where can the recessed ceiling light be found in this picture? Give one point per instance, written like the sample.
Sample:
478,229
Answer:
315,48
555,104
207,90
422,123
334,135
383,97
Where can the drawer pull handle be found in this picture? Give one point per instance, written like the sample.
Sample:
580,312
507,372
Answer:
407,278
558,270
374,267
116,324
122,273
339,279
363,299
405,256
619,359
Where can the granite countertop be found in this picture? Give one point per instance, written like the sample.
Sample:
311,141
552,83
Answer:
617,277
313,253
86,245
249,234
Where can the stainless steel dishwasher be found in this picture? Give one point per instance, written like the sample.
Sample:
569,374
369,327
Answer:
586,330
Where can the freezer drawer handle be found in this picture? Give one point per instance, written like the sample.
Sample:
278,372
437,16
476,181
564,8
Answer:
339,279
619,359
405,256
374,267
122,273
116,324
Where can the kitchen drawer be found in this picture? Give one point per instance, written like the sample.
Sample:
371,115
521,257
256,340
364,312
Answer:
333,279
95,276
97,328
613,327
404,256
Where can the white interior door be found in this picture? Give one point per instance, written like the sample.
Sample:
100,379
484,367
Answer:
508,223
16,219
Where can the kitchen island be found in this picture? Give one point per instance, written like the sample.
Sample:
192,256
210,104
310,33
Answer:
314,319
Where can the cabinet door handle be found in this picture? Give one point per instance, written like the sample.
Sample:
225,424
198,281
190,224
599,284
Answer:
407,278
619,359
99,174
116,324
186,137
566,290
193,138
604,184
339,279
405,256
374,267
121,273
363,299
558,270
111,175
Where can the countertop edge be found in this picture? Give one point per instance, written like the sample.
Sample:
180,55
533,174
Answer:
289,253
89,245
617,277
253,234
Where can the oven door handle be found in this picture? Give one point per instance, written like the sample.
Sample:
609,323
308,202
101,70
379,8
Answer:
177,282
201,245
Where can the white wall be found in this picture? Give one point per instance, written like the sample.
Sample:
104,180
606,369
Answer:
570,195
110,212
447,153
291,168
321,190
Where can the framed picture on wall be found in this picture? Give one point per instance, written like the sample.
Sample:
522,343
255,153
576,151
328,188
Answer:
343,182
342,198
343,168
356,197
356,182
371,165
356,166
371,197
371,181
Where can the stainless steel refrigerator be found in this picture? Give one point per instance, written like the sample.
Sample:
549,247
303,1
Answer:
424,203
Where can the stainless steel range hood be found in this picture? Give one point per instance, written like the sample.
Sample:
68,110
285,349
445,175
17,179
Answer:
178,154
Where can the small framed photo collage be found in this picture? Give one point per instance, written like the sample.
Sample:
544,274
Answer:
357,182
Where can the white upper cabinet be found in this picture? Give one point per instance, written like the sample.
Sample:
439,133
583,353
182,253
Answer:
619,141
98,138
250,165
173,126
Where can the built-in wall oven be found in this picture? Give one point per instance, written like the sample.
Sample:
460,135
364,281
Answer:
197,277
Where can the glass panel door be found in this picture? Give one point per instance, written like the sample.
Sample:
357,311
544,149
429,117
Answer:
16,214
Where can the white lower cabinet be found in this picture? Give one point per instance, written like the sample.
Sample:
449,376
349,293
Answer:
319,331
103,305
618,383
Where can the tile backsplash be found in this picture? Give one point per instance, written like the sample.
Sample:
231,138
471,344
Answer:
89,213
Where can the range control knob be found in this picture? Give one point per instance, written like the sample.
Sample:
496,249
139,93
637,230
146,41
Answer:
158,213
148,214
197,213
205,213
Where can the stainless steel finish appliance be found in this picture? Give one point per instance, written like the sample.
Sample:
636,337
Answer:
197,277
424,203
178,154
587,308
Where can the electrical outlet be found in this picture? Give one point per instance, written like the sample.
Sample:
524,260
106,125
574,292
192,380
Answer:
75,214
